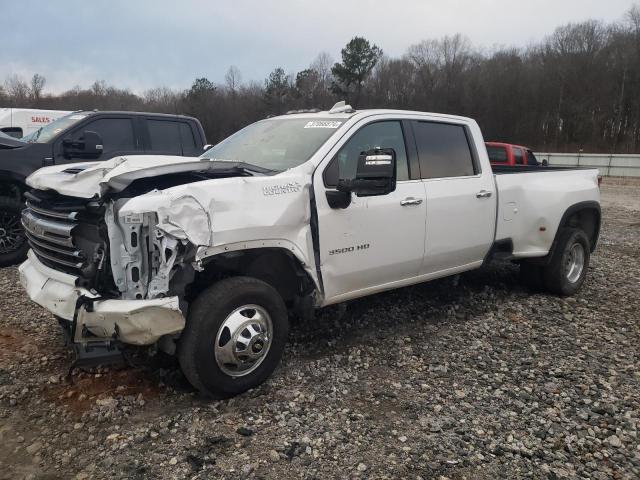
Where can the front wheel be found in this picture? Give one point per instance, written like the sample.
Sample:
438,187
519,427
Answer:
567,268
13,242
234,337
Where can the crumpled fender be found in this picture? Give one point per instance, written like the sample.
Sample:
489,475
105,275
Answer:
236,213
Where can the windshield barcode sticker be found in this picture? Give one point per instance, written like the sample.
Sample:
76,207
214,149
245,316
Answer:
323,124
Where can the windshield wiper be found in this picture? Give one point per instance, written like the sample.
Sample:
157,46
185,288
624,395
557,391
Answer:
35,135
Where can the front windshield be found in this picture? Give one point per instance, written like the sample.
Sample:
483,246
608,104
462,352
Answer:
46,133
276,144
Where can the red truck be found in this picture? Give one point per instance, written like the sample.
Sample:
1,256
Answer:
512,155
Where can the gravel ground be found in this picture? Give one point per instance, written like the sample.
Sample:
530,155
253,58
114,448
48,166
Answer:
472,377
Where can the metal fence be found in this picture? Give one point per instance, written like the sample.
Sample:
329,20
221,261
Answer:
608,165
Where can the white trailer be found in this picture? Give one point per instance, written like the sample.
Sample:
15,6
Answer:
18,122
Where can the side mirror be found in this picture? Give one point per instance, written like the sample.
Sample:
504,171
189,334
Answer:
545,163
206,147
375,175
88,146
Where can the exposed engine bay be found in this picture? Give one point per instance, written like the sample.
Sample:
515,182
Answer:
126,256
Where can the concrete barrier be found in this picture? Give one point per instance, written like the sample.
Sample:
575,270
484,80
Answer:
608,165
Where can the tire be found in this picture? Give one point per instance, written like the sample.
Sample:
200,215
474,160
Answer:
215,318
531,276
558,275
13,242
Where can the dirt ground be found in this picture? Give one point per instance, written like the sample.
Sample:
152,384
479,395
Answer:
474,377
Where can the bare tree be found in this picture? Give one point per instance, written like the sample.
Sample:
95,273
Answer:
233,78
99,88
322,65
17,89
37,85
320,93
633,18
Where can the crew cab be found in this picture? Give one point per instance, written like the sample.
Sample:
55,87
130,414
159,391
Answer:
208,258
506,154
83,135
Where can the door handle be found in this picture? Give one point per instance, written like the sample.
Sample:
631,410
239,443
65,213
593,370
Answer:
410,201
484,194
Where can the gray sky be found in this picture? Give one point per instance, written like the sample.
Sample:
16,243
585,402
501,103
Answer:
140,44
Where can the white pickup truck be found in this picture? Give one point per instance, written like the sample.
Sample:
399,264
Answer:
208,258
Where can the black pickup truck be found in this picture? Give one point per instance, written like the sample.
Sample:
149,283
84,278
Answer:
83,135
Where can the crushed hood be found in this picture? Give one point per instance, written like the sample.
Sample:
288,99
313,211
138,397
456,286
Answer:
94,179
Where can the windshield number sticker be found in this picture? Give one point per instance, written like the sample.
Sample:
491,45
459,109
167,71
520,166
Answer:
323,124
291,187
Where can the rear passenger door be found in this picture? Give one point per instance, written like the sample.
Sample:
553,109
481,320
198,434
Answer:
170,137
460,197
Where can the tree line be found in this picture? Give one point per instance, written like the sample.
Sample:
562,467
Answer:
577,89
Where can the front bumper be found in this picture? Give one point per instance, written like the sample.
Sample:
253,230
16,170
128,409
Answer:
136,322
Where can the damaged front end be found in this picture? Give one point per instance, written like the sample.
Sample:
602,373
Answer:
107,277
118,249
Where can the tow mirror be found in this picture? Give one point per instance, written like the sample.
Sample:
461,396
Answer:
375,175
89,145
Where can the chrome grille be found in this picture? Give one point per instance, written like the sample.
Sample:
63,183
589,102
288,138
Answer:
50,236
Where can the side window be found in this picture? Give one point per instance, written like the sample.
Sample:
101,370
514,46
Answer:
443,150
165,136
531,159
497,154
15,132
385,134
117,134
188,142
517,156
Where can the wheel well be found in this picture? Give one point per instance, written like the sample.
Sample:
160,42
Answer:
586,219
276,266
12,188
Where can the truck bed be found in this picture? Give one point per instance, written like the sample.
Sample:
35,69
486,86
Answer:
531,205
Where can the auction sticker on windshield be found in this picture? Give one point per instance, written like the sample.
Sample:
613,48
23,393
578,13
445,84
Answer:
323,124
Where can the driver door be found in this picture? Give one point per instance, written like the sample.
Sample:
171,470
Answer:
376,240
117,134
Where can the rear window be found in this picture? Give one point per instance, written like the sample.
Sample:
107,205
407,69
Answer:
188,142
443,150
165,136
497,154
518,157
